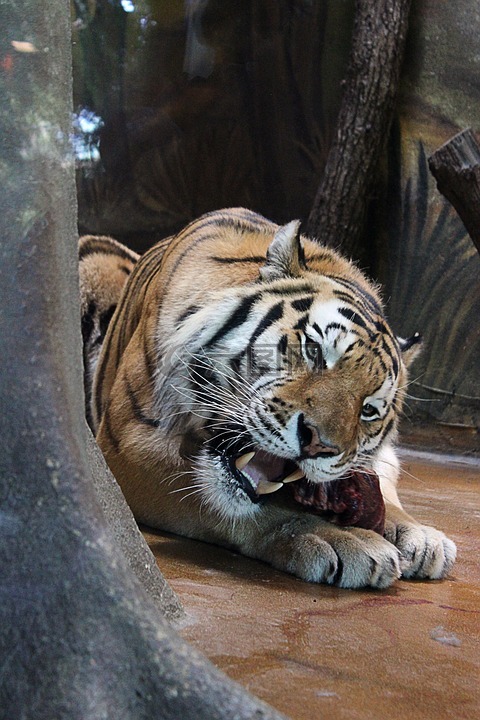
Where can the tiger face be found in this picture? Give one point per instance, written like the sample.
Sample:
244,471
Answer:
296,376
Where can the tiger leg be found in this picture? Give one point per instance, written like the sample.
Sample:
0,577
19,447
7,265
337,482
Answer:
425,552
316,550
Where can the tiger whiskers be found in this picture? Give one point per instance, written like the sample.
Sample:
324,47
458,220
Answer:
411,382
410,475
383,461
233,441
246,391
224,410
229,374
199,393
212,406
207,412
218,400
176,476
196,489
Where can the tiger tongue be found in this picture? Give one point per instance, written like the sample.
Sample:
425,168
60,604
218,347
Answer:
264,467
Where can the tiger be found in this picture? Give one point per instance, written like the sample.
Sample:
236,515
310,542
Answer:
105,265
241,359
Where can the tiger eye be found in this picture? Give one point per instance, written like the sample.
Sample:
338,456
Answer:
314,353
369,411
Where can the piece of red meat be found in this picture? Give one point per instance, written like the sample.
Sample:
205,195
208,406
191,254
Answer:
354,499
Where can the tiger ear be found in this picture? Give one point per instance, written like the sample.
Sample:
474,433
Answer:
411,347
285,257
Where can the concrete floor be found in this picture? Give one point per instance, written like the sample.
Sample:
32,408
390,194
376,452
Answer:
411,652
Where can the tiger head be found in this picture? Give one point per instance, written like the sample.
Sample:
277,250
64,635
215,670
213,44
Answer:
293,375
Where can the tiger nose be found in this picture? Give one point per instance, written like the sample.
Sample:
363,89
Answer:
312,444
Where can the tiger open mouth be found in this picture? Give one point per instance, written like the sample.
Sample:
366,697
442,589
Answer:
354,499
261,473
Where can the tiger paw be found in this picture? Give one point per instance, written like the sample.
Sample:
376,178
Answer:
424,551
345,557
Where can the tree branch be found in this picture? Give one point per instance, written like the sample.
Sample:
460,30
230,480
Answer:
456,168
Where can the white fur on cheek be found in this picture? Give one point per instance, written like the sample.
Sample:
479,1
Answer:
220,492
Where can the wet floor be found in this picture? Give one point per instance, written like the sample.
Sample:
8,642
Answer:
410,652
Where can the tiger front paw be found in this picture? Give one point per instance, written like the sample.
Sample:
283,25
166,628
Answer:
424,551
345,557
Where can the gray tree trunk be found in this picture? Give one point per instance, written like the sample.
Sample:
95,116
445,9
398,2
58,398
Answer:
79,636
378,41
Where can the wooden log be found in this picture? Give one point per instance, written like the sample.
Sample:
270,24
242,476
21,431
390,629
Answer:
456,168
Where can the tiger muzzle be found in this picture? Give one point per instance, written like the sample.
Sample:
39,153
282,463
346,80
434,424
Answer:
312,443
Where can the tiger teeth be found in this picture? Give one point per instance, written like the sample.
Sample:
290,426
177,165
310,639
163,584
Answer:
295,475
243,460
265,487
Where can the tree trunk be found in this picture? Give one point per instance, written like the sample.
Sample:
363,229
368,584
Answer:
127,535
338,213
79,636
456,168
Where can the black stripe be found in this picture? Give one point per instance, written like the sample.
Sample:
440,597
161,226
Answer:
390,348
237,318
189,311
301,323
279,418
354,317
350,348
302,304
275,313
143,273
341,295
138,413
252,222
301,252
194,228
265,382
282,345
381,327
397,402
204,373
235,364
360,294
231,260
395,365
378,355
150,365
140,281
267,425
293,290
109,432
387,429
335,326
94,245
